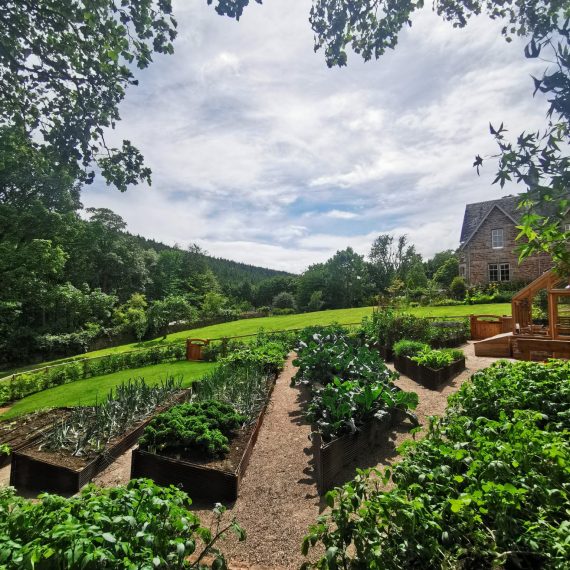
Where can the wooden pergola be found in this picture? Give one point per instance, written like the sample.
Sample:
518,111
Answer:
553,339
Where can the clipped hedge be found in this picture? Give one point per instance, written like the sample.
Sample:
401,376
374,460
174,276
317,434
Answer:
26,383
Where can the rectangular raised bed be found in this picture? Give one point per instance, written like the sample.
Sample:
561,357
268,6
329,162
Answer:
386,352
199,481
36,474
330,458
425,376
19,433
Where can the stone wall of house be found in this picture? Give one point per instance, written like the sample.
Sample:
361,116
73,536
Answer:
479,253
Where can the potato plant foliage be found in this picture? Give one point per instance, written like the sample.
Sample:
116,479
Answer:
488,487
140,526
203,427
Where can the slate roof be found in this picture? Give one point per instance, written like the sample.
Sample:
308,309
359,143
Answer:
476,213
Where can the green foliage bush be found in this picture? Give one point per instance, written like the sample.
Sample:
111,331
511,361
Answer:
488,487
139,525
437,359
409,347
387,327
201,427
21,385
329,352
458,288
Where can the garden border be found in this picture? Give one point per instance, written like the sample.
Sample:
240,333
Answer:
200,481
35,474
428,377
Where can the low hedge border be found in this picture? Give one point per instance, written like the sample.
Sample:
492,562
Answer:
25,384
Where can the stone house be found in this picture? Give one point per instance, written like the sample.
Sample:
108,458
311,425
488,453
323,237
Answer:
488,250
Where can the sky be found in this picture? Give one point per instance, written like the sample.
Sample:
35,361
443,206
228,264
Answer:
262,154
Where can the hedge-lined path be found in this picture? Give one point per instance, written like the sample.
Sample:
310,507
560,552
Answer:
278,498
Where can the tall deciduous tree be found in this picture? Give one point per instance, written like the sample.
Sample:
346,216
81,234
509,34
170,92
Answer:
391,259
64,68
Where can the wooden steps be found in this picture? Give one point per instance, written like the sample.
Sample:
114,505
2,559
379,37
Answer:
498,346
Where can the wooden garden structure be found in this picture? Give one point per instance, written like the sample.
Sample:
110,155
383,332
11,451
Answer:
529,340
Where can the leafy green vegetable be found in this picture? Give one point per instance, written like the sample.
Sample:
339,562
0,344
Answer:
203,427
137,526
87,431
488,487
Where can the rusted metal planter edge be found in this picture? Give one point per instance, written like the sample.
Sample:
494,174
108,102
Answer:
34,474
330,458
199,481
425,376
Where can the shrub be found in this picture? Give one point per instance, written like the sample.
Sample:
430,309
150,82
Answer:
448,333
27,383
139,525
283,300
446,303
202,427
458,288
279,312
385,328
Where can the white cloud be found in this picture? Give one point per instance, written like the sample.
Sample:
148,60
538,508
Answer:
340,215
262,154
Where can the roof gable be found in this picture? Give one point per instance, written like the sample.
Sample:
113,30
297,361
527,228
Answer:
476,214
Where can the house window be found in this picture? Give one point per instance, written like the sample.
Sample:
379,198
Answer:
567,227
499,272
462,270
497,241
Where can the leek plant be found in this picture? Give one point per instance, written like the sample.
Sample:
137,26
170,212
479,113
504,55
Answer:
88,430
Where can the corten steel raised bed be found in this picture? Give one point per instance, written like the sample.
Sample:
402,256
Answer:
330,458
20,433
32,473
386,352
199,481
428,377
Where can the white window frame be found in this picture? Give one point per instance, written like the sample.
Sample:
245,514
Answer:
499,268
567,227
497,238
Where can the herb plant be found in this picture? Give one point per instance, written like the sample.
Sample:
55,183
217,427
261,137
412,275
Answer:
437,359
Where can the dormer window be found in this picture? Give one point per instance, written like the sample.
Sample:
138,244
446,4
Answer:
497,240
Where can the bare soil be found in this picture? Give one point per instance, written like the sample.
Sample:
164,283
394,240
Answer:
278,498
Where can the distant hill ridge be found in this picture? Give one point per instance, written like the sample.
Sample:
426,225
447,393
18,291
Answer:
225,270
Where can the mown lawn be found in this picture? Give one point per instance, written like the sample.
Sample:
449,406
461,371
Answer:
287,322
86,392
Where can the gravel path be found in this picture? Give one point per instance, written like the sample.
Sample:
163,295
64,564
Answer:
278,498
